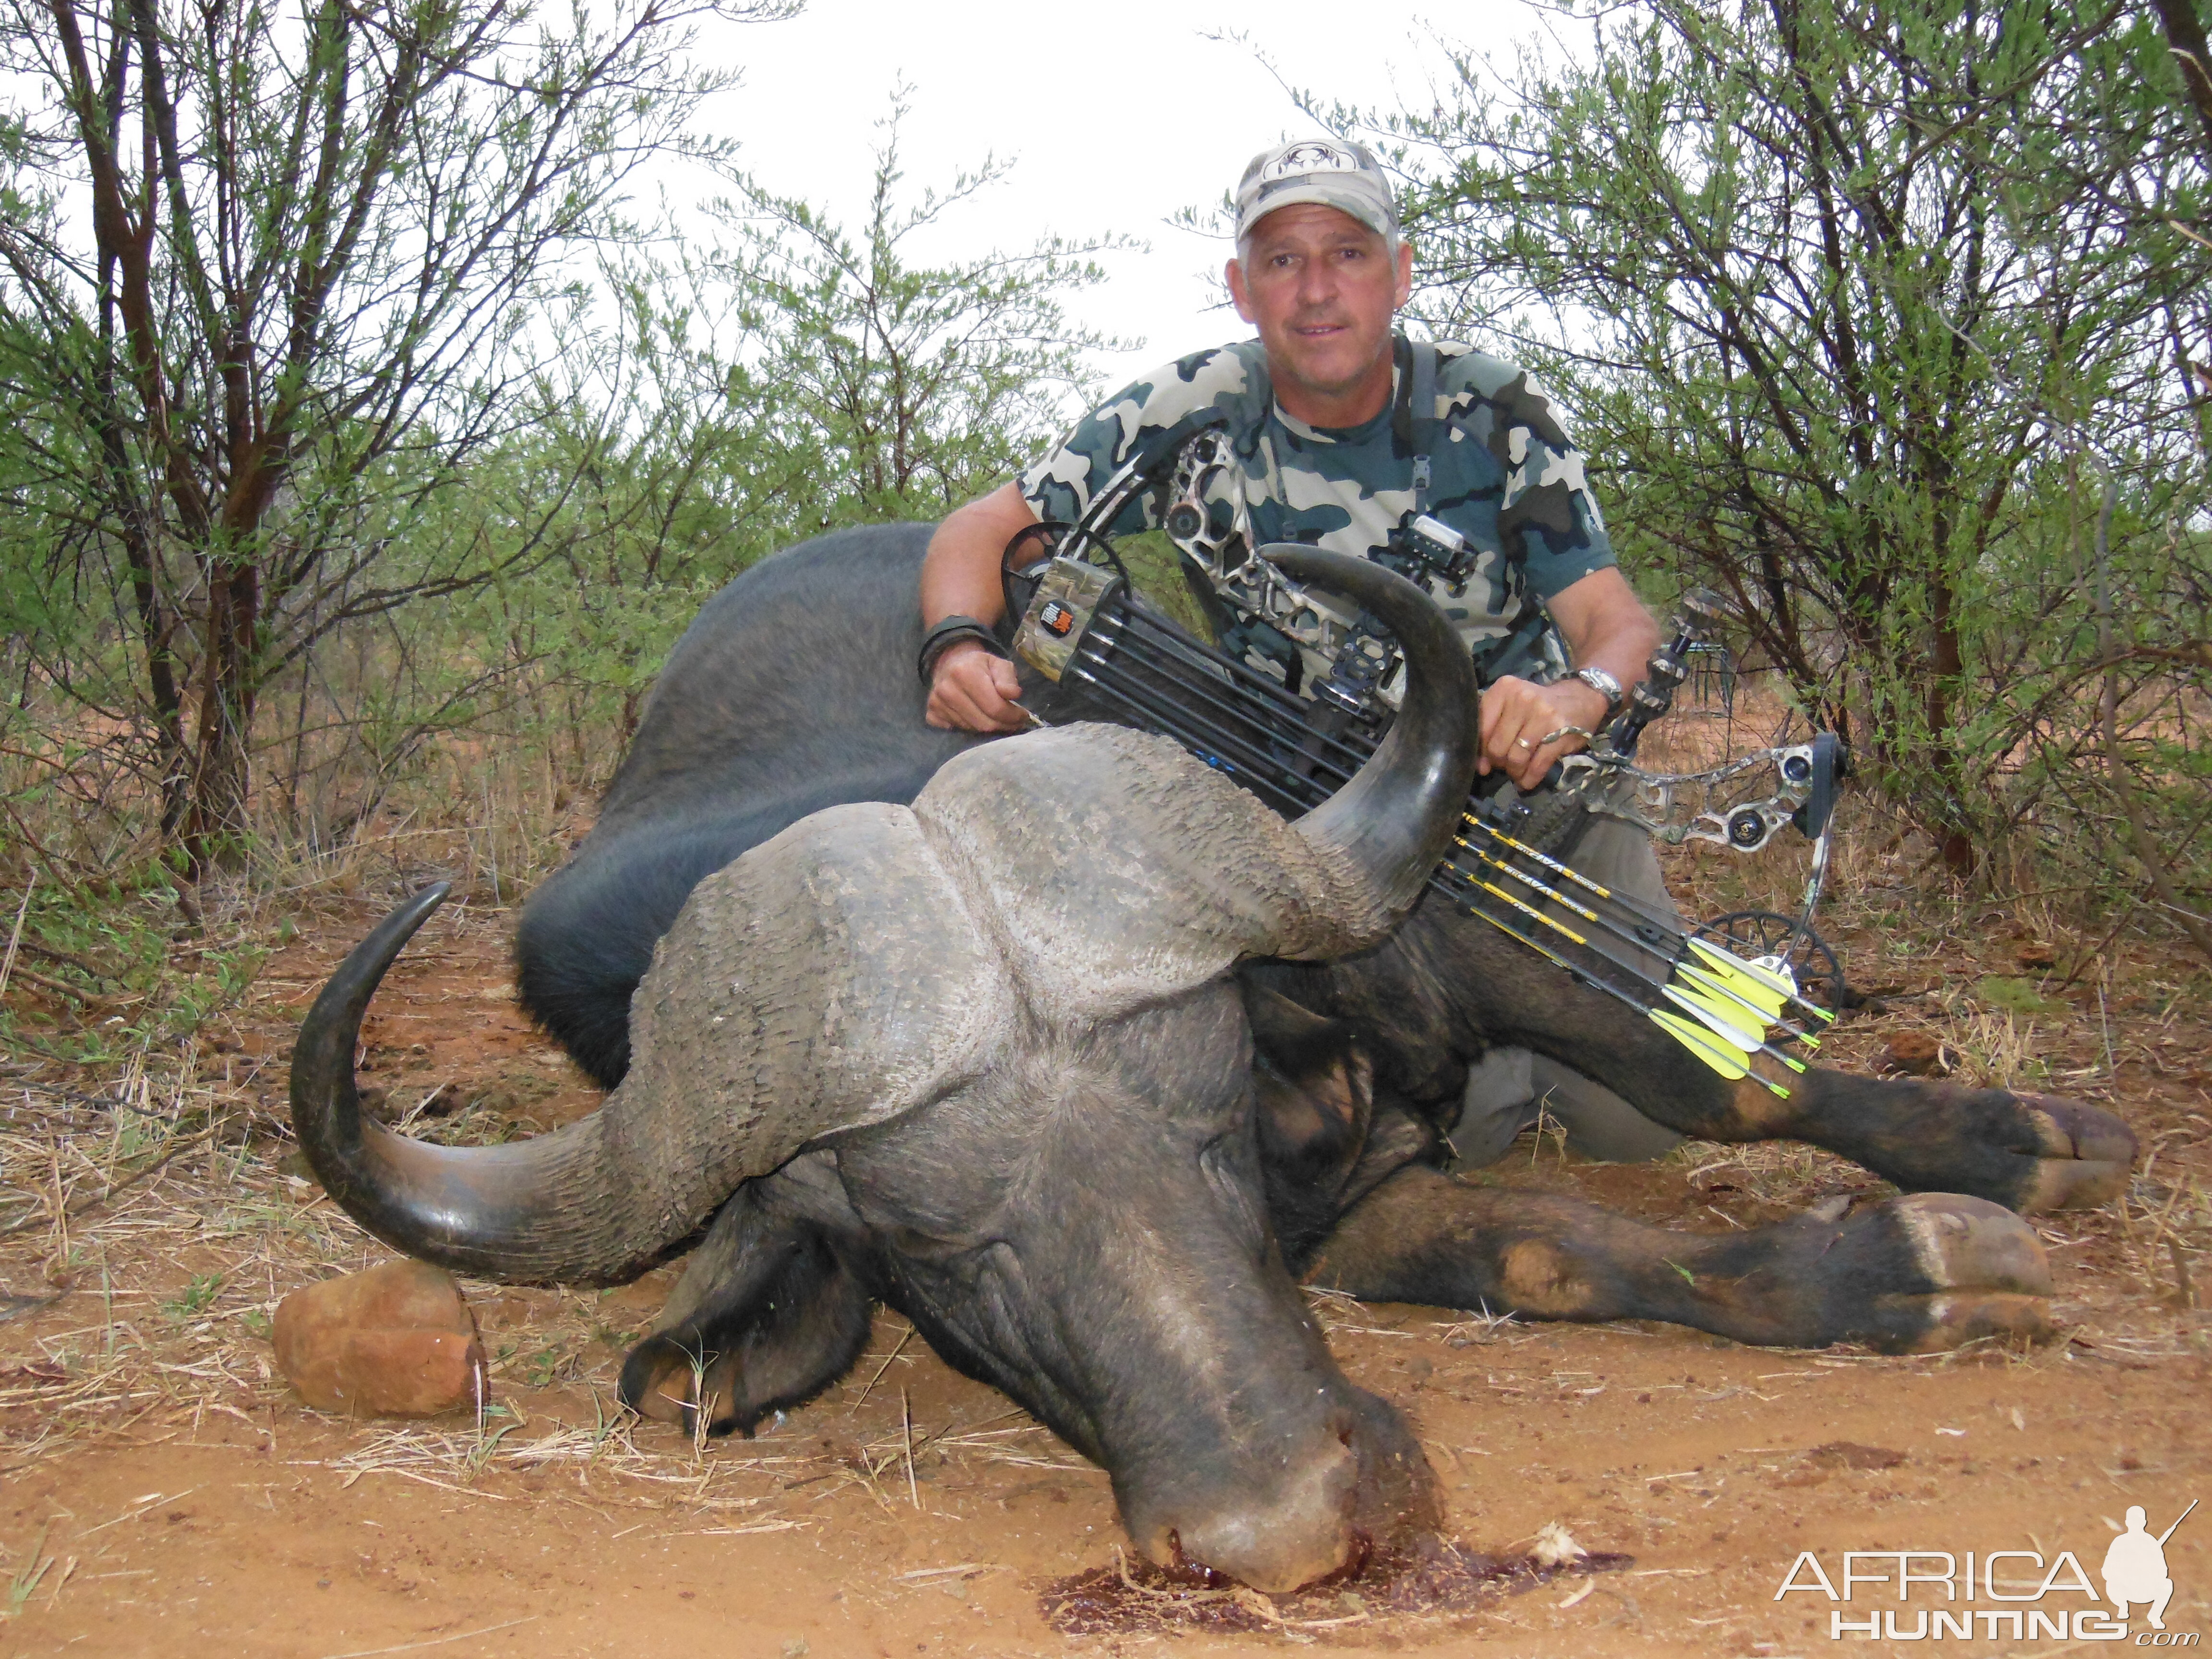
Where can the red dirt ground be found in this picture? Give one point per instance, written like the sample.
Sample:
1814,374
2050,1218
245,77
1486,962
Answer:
164,1493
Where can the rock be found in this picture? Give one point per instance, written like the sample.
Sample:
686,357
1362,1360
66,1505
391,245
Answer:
396,1340
1849,1455
1914,1053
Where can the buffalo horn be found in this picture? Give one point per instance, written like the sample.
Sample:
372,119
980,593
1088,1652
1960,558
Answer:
541,1210
1395,819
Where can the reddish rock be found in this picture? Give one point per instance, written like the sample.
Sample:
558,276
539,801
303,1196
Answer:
396,1340
1916,1054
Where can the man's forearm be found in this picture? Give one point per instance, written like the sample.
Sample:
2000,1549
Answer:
960,575
1605,626
1623,653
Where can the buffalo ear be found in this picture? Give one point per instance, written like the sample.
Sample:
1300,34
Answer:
1312,1082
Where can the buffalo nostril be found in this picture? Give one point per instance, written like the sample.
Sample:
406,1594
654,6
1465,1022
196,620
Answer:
1281,1539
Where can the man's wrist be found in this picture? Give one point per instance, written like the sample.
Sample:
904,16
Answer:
949,633
1585,705
1607,686
951,654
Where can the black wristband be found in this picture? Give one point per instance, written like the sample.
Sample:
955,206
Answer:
948,634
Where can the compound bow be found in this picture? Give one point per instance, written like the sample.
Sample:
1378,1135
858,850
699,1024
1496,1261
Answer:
1247,716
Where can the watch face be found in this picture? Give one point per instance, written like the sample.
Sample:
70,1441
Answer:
1601,683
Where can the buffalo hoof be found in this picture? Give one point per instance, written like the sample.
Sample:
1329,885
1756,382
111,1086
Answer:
665,1383
1927,1271
2083,1155
2029,1152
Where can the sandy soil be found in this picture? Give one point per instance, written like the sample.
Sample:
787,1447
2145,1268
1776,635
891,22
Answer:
164,1492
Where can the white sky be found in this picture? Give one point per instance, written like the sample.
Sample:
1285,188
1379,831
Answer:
1118,113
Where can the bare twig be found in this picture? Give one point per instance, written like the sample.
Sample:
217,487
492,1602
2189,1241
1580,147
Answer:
16,939
73,1211
46,983
906,1423
436,1641
880,1369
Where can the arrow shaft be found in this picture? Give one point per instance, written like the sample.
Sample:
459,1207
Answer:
1646,1008
1761,1016
1672,940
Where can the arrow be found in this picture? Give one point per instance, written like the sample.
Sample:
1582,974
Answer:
1751,996
1724,1057
1747,979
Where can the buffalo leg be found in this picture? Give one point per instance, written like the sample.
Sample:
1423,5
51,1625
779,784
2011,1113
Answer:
2029,1153
767,1315
1907,1275
1446,988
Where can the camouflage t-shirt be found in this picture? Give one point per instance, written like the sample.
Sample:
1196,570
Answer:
1502,474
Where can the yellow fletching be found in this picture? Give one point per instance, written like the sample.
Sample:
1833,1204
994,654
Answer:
1736,994
1730,965
1720,1020
1743,976
1734,968
1702,1043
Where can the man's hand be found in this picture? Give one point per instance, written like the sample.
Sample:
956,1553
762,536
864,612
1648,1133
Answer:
972,690
1519,716
969,689
1605,626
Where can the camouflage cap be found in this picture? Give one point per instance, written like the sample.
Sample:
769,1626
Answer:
1329,171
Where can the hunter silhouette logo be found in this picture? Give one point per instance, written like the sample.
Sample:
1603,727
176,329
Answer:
2135,1566
2029,1594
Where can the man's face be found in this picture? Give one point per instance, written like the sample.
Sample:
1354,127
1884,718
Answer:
1322,288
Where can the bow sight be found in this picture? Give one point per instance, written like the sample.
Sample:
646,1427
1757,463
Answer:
1310,686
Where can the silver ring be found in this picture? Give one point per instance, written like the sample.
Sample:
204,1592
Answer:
1523,743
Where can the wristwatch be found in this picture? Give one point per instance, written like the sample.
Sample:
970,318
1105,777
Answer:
1605,685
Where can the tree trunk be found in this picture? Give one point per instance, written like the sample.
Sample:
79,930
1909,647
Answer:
1955,836
216,829
2184,37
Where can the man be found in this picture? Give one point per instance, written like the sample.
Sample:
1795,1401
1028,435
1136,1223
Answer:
2135,1568
1319,413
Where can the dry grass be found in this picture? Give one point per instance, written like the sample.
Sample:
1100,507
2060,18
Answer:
149,1227
174,1236
170,1233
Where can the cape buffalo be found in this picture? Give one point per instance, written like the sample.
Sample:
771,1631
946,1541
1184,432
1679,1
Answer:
990,1060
